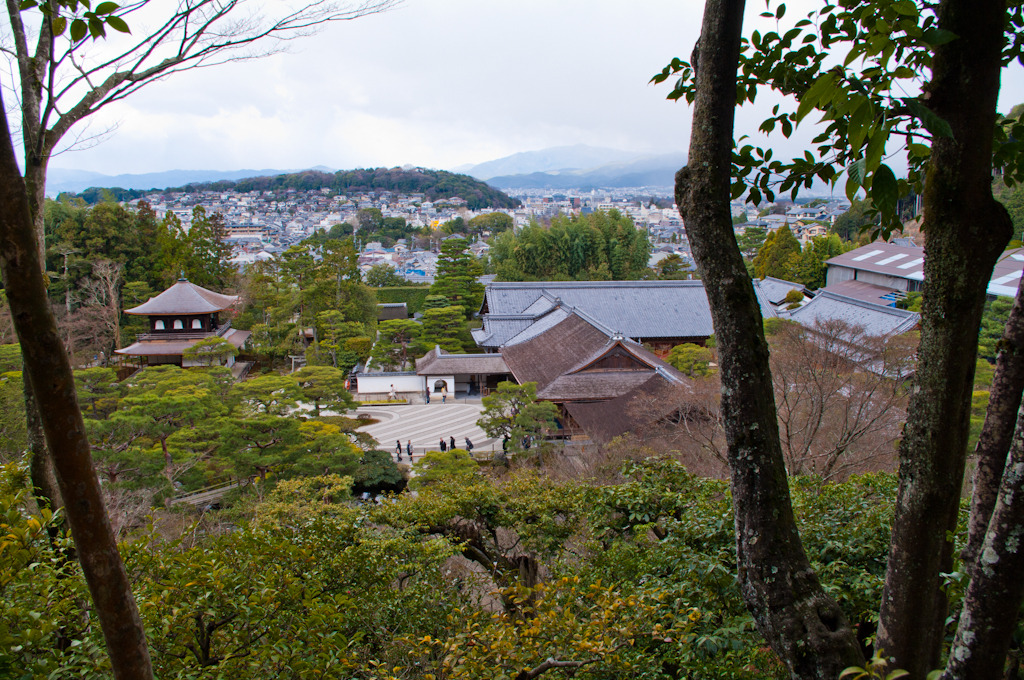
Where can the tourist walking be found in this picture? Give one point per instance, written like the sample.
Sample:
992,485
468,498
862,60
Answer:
392,395
398,449
451,443
469,445
408,449
444,394
444,447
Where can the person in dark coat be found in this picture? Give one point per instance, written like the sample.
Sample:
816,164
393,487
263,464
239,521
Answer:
398,449
451,443
469,445
444,447
408,449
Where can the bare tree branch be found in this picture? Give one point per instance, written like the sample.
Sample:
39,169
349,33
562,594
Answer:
532,673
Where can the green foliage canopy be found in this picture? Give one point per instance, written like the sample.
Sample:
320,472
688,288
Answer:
691,359
599,246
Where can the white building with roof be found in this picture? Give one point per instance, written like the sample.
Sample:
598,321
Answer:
901,268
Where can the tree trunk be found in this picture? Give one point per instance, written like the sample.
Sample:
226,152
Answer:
997,432
992,602
44,480
800,622
52,384
168,462
965,230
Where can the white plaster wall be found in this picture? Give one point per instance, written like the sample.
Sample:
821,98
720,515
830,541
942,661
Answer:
381,384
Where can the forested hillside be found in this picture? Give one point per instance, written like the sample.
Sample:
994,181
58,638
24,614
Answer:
433,184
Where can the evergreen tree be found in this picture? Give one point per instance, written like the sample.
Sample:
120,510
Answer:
457,271
779,256
444,327
810,269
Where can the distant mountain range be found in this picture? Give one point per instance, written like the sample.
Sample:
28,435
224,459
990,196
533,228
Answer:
553,159
556,168
579,167
563,167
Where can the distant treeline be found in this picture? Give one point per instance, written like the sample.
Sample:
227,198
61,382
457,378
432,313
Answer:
433,184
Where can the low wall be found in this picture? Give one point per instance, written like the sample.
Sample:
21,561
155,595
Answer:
380,383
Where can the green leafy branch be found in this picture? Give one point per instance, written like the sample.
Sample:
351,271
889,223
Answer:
865,102
80,16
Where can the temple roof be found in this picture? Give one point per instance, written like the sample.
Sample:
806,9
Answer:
439,362
184,298
176,346
563,362
642,310
874,319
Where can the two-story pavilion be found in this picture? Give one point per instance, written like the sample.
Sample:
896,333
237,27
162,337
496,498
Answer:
180,317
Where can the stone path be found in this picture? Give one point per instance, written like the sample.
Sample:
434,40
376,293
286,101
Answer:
425,424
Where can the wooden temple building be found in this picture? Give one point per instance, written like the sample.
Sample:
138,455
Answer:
180,317
604,383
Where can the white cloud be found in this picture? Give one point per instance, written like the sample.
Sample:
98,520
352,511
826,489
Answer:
436,83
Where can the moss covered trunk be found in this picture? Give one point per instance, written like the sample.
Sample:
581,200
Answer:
965,231
802,624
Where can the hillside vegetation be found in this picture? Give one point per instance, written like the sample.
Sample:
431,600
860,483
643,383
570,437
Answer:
435,185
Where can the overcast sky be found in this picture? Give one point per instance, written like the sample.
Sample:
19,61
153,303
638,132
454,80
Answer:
436,83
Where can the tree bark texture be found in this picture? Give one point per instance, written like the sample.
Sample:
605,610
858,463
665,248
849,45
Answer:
997,432
965,231
992,603
800,622
44,479
32,74
52,384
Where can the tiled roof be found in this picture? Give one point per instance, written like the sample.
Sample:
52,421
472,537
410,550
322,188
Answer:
873,318
538,326
1007,273
171,347
641,310
439,362
184,298
907,262
776,290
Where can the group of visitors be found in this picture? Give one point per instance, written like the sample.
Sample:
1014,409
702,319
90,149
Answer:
398,450
450,444
443,391
445,446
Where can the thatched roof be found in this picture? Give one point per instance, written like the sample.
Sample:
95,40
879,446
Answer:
648,402
608,384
